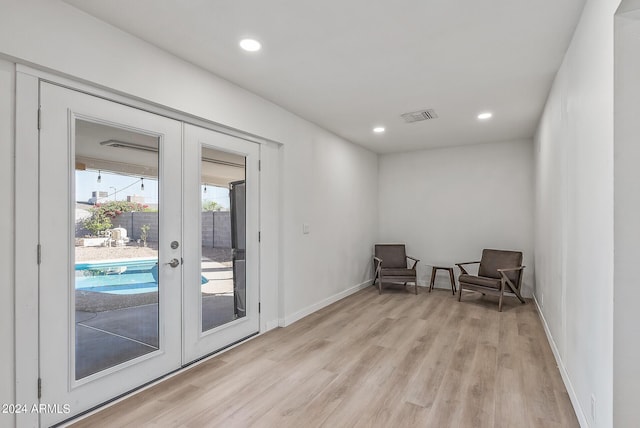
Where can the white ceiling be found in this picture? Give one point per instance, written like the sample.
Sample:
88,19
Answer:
350,65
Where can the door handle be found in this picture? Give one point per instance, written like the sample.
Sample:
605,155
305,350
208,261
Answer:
173,263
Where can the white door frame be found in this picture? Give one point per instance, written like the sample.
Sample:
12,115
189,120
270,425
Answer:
26,236
26,273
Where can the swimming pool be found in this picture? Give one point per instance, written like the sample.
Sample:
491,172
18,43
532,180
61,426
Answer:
116,277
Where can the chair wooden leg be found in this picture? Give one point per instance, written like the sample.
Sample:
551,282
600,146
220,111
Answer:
416,287
433,278
514,290
518,295
460,293
453,282
501,295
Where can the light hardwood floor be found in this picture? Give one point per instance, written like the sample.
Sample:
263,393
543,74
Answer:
390,360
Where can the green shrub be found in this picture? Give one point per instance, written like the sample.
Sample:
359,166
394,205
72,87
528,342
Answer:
211,206
103,213
114,208
97,223
144,233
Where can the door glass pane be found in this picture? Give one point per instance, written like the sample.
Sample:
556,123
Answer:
223,237
116,246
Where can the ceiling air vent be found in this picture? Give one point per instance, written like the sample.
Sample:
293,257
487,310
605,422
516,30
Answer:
417,116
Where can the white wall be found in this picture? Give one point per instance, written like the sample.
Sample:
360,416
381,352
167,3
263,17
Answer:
330,187
7,87
448,204
626,347
325,181
574,214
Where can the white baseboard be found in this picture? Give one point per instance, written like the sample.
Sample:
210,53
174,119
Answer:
582,420
290,319
270,325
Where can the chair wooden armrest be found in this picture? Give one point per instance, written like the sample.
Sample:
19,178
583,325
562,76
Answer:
415,262
463,270
506,278
378,264
511,269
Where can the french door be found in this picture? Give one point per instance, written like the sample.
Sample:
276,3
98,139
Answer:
146,258
220,292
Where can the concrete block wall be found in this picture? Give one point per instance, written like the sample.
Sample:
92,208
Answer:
216,227
208,221
138,219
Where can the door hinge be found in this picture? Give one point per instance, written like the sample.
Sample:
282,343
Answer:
259,165
39,118
259,236
259,307
39,250
39,388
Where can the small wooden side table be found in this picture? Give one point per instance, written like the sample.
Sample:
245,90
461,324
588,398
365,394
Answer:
434,269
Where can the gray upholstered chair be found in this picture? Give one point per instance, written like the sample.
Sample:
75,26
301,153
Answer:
499,271
390,261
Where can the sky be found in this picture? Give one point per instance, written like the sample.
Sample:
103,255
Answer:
120,186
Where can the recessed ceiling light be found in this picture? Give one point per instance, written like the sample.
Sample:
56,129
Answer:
250,45
485,116
378,129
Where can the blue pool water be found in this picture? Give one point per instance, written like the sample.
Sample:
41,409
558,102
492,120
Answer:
122,277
